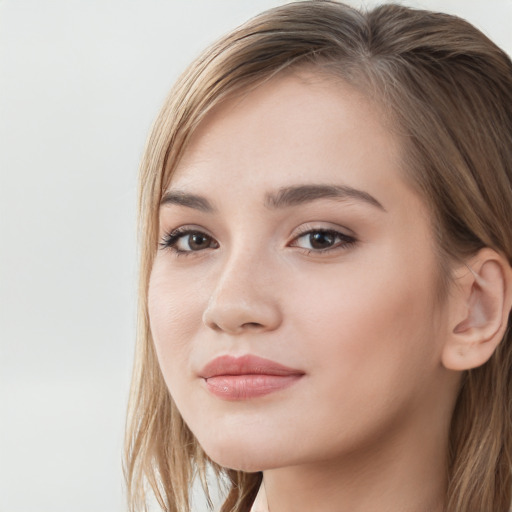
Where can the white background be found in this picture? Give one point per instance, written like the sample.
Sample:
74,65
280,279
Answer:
80,83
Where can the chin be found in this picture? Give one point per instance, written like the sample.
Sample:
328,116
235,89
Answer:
248,457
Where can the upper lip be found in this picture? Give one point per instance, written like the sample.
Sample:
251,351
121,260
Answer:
245,365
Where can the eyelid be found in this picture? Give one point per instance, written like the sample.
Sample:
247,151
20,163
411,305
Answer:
308,227
170,239
347,239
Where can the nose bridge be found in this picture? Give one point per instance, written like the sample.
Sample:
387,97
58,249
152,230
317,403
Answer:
243,297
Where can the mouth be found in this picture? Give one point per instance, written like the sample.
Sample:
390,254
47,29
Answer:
242,378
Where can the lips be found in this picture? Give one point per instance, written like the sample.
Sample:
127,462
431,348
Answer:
241,378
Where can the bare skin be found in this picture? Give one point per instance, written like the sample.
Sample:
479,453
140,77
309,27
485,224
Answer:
342,288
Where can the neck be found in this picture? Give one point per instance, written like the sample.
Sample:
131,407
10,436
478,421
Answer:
406,473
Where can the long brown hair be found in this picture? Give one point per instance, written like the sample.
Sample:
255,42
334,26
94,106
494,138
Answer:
447,90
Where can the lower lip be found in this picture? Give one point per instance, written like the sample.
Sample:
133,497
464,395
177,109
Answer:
243,387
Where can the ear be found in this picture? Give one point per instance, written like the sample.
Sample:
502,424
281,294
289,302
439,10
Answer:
481,300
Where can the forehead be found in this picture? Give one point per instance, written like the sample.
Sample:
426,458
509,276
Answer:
297,127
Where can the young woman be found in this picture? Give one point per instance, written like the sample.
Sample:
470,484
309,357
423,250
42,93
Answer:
326,280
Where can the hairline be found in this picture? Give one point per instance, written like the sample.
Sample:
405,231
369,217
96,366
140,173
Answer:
361,78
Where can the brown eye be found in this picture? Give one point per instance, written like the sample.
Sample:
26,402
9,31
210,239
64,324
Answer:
198,241
194,241
183,241
323,240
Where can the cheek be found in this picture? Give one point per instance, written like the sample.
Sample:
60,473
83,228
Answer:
371,348
370,321
174,314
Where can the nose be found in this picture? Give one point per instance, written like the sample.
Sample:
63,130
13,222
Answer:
243,299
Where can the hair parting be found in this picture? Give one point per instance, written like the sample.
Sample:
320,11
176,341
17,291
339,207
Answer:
446,91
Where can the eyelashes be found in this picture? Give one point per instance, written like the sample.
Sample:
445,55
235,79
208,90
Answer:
188,241
322,240
184,240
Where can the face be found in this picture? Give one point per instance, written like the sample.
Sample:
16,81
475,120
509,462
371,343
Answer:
292,300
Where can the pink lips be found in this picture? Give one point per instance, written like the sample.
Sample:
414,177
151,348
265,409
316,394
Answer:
241,378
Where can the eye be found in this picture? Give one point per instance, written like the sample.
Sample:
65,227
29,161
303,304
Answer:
322,240
185,240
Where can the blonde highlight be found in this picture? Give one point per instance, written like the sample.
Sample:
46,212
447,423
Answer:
448,90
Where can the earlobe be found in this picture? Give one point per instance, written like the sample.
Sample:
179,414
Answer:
479,317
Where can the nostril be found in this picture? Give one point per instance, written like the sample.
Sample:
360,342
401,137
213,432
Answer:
215,327
252,325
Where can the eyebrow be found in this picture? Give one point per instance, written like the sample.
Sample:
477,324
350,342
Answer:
189,200
300,194
284,198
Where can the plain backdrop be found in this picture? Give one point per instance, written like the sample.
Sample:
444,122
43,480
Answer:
80,83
